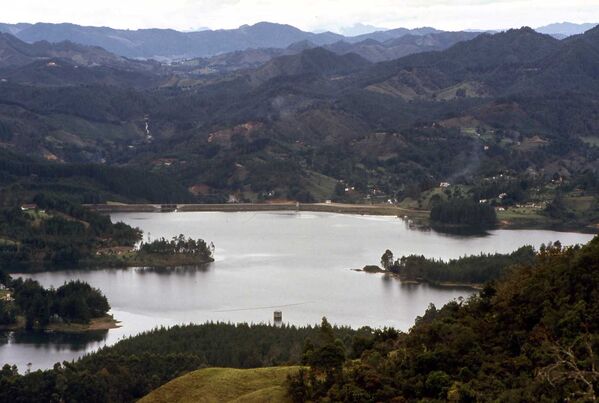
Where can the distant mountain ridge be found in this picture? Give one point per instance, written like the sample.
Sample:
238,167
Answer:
15,52
68,63
167,43
565,29
516,61
171,44
369,49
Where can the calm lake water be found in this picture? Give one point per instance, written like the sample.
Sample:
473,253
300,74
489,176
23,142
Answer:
299,263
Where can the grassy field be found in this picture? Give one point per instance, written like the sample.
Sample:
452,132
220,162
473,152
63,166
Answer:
226,385
321,186
580,204
104,323
591,140
523,218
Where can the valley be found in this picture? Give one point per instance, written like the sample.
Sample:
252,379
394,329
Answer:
184,213
297,262
313,126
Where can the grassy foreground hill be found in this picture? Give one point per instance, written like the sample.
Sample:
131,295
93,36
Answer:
226,385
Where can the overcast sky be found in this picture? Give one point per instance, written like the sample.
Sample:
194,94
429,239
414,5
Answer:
312,15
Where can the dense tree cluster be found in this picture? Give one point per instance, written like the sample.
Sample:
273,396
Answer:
74,301
531,336
463,212
56,233
178,245
88,183
475,269
133,367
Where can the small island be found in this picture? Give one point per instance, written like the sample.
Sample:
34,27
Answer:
468,271
371,268
175,252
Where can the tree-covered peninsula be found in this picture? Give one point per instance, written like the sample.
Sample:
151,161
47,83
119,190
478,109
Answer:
530,335
74,306
474,270
49,233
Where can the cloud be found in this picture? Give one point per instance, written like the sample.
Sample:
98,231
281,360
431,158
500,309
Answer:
306,14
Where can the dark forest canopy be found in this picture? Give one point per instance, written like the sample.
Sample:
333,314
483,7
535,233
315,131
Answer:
530,336
463,213
73,302
86,182
178,251
474,269
178,245
133,367
54,232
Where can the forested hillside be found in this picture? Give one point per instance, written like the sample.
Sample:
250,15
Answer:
55,233
133,367
531,336
516,110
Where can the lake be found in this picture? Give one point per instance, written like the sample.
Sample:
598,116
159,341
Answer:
299,263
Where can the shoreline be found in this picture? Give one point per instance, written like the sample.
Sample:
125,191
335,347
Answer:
418,219
364,209
135,259
445,284
117,262
106,322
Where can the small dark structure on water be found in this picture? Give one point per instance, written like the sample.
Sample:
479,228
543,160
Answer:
278,316
168,208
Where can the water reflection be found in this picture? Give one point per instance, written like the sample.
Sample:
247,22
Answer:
61,341
293,262
41,350
177,270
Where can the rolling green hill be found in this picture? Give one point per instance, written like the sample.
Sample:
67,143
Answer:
226,385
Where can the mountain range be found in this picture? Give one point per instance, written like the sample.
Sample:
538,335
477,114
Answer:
298,123
564,29
167,44
369,49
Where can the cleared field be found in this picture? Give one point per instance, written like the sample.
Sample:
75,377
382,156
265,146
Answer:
523,217
580,204
226,385
591,140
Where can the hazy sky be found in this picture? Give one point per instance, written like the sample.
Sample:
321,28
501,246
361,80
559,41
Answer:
306,14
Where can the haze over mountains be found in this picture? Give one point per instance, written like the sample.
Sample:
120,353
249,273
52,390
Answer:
171,44
565,29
